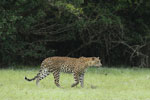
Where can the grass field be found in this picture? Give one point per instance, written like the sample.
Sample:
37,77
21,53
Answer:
100,84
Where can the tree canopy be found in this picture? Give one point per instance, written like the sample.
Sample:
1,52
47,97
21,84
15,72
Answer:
118,31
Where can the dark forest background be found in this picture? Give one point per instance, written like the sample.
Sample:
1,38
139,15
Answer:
118,31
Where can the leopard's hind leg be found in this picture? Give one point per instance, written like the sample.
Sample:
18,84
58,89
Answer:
76,78
56,74
42,74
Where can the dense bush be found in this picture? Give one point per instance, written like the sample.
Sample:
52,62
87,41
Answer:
117,31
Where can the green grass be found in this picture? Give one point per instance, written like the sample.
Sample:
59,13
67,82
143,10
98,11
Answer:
100,84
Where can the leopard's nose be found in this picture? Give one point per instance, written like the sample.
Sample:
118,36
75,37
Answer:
100,65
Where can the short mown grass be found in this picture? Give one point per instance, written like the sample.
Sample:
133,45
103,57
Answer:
100,84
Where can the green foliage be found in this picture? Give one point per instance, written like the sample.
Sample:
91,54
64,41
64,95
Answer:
69,8
73,2
31,30
16,18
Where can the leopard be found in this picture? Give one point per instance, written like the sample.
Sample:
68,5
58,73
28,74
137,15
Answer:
58,64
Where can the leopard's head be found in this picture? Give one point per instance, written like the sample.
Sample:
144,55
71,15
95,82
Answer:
95,61
92,61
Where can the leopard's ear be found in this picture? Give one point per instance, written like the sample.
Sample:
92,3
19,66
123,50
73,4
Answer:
93,58
82,57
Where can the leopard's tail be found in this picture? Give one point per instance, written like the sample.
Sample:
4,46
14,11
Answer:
35,77
30,79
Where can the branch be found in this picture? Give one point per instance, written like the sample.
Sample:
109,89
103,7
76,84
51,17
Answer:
79,48
46,29
135,49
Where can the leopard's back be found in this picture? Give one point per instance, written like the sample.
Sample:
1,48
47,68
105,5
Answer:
64,64
68,64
